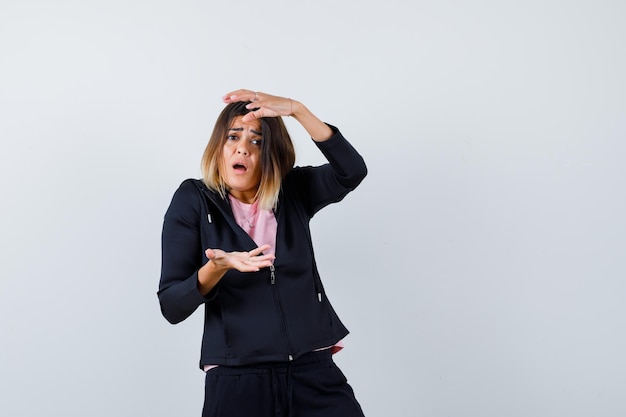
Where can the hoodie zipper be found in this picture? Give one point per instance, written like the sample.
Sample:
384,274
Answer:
280,310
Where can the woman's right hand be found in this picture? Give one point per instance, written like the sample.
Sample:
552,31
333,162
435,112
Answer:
221,262
241,261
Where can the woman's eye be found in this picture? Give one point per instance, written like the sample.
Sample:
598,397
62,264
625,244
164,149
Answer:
231,137
256,142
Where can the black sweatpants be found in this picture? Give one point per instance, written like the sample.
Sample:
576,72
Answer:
310,386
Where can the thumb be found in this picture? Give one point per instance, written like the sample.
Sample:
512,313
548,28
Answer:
210,253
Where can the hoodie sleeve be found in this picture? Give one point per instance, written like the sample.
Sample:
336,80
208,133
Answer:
181,255
331,182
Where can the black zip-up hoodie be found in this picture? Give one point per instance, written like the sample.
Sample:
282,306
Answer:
276,314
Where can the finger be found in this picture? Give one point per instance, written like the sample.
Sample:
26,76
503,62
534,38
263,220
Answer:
248,266
259,112
260,249
235,93
253,115
240,95
258,265
262,259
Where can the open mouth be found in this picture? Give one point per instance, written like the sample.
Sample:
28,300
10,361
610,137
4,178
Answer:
240,168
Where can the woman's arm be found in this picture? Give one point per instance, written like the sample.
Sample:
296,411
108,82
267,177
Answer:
184,280
329,183
181,256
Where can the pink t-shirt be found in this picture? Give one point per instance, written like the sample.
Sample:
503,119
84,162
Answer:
259,224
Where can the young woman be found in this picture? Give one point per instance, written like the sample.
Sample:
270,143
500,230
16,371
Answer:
238,242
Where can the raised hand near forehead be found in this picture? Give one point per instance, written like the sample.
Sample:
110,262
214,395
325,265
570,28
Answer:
266,105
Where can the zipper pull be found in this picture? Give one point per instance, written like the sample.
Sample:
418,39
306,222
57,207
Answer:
319,297
272,275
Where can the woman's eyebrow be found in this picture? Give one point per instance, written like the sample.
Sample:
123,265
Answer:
240,129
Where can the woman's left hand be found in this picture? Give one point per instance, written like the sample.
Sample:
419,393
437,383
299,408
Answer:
266,105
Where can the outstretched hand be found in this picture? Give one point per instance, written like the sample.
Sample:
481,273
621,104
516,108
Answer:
251,261
266,105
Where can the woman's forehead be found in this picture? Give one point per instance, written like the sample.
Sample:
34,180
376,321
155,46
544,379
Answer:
238,123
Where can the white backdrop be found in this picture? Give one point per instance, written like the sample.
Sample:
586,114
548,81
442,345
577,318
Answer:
480,266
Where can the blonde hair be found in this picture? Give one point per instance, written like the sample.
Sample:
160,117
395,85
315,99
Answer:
277,155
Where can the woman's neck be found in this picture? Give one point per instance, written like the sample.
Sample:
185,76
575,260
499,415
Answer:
247,197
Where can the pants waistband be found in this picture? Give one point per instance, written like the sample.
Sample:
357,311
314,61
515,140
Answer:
306,360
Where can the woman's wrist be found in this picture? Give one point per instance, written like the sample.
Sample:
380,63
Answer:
208,276
317,129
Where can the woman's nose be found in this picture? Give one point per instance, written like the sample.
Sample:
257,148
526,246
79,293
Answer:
242,148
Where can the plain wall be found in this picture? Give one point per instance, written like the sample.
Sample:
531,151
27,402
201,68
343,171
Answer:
480,266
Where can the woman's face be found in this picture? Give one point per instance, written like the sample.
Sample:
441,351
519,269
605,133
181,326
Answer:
241,159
